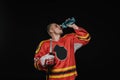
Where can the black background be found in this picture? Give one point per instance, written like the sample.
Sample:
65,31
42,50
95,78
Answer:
23,26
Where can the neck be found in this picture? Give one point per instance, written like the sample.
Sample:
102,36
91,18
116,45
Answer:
55,37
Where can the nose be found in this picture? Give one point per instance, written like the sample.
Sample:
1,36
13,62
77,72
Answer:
59,27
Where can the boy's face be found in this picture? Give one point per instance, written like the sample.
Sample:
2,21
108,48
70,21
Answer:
56,29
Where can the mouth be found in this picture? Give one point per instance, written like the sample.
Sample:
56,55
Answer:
60,28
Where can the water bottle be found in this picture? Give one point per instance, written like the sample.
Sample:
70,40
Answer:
68,22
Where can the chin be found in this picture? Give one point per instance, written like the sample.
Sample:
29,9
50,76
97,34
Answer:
61,33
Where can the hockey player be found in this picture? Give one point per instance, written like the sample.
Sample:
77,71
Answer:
63,51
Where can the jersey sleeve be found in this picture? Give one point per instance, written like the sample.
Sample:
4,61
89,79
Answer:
40,51
80,38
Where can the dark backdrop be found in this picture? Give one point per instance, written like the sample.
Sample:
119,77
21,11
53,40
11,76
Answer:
23,26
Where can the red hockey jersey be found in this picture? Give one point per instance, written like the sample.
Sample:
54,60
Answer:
64,51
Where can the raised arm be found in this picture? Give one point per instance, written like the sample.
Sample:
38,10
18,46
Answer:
81,36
